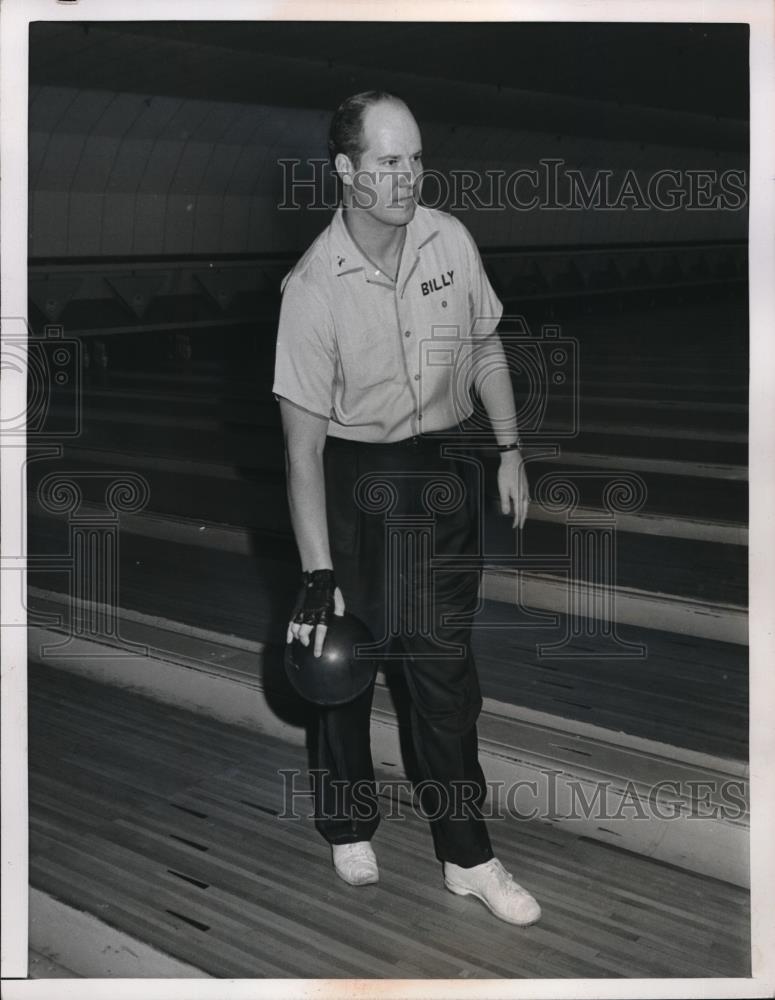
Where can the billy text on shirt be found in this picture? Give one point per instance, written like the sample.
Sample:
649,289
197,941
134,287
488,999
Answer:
437,284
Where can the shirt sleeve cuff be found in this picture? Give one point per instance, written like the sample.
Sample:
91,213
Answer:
293,399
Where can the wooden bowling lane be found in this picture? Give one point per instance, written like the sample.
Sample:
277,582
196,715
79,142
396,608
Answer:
594,382
167,825
252,383
694,570
254,490
687,691
251,401
702,570
216,418
192,431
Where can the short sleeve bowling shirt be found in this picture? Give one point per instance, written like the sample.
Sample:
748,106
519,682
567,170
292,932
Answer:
384,361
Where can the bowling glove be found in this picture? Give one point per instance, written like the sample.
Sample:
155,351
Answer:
315,604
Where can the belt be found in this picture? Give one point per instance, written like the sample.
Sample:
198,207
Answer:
416,441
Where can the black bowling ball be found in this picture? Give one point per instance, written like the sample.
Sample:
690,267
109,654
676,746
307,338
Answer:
338,675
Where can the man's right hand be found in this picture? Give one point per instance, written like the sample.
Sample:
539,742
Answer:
318,599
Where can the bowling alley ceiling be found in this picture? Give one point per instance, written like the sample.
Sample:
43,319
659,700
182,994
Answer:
701,69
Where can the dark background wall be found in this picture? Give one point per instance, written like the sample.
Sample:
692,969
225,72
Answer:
164,138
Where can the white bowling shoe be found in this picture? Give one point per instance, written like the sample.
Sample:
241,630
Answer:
355,863
496,888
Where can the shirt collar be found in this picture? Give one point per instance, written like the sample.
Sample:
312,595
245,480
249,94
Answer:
346,258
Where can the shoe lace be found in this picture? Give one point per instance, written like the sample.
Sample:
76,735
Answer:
504,877
360,851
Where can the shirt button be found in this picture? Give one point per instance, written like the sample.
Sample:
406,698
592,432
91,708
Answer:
444,303
408,333
417,378
419,416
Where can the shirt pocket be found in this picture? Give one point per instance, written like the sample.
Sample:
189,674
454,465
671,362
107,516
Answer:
446,316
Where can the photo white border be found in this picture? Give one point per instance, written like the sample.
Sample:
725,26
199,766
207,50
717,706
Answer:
15,16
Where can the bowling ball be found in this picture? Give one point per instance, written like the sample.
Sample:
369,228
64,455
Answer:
337,675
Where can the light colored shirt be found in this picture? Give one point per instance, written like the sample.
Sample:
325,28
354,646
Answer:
383,360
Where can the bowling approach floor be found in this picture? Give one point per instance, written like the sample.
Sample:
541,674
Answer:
167,825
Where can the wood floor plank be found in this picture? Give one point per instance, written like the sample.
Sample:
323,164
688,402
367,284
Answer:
128,912
162,842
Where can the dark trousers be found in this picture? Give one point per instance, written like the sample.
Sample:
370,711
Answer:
391,509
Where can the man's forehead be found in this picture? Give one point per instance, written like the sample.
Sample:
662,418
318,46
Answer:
388,122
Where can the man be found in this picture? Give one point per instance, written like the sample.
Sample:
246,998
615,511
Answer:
359,406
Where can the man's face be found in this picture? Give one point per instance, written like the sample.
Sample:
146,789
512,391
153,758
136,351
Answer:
385,182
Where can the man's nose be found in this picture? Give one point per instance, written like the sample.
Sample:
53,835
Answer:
408,178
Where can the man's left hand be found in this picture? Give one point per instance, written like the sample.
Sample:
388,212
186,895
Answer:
513,487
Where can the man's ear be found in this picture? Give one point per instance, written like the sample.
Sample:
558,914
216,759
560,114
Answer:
345,168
